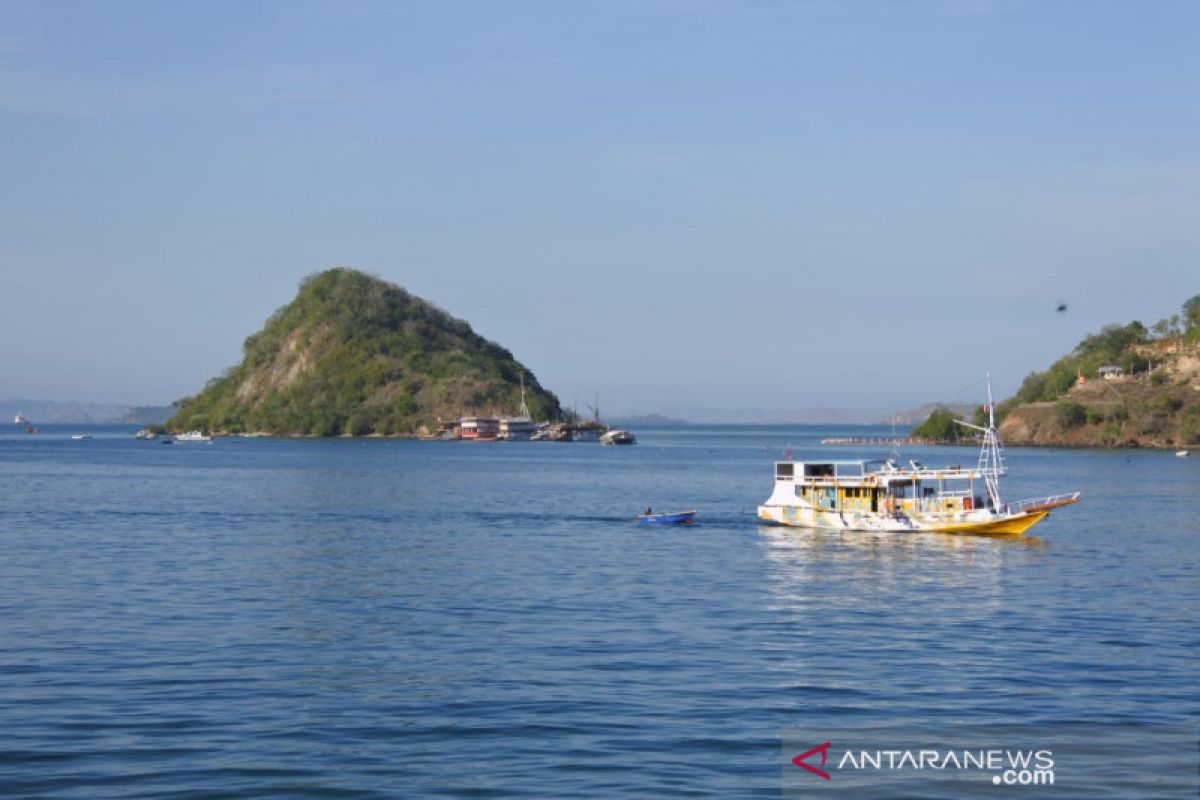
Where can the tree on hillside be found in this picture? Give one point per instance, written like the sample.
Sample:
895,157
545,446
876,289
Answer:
1191,314
941,426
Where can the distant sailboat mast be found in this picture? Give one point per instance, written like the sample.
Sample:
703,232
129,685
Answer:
524,406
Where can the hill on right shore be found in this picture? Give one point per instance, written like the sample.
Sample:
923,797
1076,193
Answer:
1125,386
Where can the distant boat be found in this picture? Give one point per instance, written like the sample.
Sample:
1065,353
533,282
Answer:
145,433
20,419
586,434
673,518
482,428
1182,454
79,437
618,437
520,428
194,436
516,429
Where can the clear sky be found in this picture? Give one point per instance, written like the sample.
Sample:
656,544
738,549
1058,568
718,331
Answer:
696,208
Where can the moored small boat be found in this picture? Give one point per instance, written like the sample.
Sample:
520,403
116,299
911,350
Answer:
1182,453
672,518
194,436
615,437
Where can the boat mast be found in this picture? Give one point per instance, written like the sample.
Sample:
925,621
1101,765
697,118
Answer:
524,407
991,452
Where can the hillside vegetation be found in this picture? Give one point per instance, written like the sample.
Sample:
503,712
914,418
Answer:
941,426
1154,403
352,354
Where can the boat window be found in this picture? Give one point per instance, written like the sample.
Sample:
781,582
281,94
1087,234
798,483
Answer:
818,470
785,470
828,498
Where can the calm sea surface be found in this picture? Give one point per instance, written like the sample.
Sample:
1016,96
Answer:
405,619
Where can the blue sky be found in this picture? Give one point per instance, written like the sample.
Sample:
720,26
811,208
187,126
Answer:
737,209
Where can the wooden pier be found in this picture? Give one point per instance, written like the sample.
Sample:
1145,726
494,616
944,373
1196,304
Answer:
888,441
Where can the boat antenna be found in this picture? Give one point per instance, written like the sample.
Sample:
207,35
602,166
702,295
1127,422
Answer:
991,404
895,454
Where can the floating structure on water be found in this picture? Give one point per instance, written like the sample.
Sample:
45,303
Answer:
891,441
479,429
617,437
882,495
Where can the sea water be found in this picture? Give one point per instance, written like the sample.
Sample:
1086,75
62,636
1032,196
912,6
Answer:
397,618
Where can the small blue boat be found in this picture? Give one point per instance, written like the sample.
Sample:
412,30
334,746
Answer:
674,518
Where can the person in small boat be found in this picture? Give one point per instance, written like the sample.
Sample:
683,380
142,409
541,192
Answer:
648,512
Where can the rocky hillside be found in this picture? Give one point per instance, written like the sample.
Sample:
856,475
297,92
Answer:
1156,406
355,355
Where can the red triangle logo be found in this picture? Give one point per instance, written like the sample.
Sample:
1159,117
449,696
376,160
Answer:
823,749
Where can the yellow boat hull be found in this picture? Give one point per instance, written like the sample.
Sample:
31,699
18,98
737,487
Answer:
1009,525
1015,525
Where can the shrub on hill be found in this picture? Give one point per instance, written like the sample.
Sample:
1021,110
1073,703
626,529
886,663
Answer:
941,426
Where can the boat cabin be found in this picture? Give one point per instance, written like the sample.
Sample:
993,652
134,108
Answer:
877,486
479,427
516,428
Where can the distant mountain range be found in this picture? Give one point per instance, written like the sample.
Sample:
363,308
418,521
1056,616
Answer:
52,411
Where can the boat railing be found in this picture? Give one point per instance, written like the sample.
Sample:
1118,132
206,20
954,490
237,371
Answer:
1032,503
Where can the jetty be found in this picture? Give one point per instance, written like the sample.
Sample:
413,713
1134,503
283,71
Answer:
889,441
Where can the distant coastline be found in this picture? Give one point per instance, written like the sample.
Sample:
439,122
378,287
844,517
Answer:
647,419
83,413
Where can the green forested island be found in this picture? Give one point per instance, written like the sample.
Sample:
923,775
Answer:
355,355
1125,386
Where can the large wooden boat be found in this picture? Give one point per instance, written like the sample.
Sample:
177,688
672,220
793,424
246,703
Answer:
883,495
